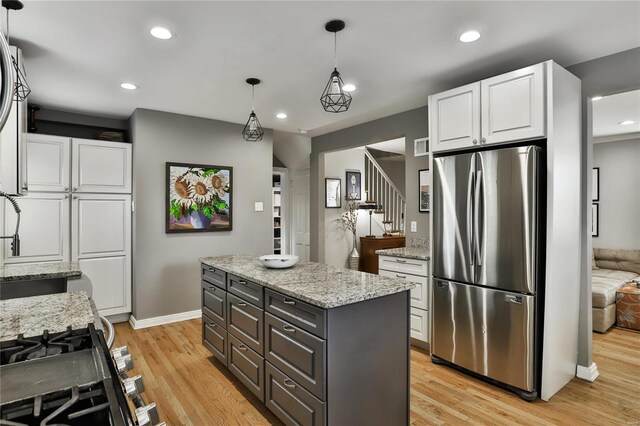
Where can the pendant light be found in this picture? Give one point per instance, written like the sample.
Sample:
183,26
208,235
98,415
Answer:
22,89
334,98
252,131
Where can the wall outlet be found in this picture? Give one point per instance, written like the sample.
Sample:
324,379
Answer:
414,226
259,206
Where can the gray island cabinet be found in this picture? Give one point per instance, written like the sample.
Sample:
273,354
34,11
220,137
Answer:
318,345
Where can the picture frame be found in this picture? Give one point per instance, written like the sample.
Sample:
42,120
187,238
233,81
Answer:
420,147
198,198
595,184
424,190
353,183
595,220
332,193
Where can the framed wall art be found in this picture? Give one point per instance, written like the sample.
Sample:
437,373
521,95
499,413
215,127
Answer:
332,193
198,198
595,220
595,184
424,189
354,185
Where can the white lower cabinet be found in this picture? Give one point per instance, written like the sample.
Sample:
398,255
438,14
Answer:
407,269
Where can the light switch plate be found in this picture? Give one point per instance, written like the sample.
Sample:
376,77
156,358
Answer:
414,226
259,206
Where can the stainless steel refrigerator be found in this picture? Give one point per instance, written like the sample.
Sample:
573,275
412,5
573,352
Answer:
485,264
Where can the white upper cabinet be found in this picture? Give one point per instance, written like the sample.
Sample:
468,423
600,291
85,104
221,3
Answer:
101,166
513,106
46,163
44,228
454,118
506,108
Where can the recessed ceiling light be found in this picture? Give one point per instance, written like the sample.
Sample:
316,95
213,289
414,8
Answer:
161,33
469,36
626,122
129,86
281,115
597,98
349,87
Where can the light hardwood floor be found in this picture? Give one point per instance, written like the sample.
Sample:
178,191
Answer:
190,388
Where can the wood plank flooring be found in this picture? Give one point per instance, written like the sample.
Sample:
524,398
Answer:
190,388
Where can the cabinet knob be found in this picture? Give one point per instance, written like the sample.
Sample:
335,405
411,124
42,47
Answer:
66,196
483,141
75,188
66,188
25,186
75,197
475,141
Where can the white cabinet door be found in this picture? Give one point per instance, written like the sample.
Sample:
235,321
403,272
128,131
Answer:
44,228
454,118
100,166
420,294
101,243
419,324
46,163
513,106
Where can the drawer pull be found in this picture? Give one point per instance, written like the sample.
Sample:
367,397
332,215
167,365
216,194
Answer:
401,276
401,261
242,347
213,324
212,288
289,301
242,304
212,269
242,282
289,383
289,329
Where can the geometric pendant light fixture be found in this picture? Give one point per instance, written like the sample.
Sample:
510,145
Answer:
22,89
252,131
334,98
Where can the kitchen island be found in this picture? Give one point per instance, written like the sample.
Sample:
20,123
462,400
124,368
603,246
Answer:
316,343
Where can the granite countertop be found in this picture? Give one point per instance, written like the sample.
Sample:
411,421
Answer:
406,252
39,271
315,283
30,316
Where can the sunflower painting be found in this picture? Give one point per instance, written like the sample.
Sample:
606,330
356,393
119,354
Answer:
198,198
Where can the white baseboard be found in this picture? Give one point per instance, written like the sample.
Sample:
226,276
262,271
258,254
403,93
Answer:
166,319
588,373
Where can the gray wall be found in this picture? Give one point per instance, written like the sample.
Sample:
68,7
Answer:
411,125
611,74
396,170
166,276
619,164
292,149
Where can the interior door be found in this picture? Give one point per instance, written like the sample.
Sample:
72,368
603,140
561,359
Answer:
301,214
452,211
506,216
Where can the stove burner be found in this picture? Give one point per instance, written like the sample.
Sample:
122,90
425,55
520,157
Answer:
44,352
22,349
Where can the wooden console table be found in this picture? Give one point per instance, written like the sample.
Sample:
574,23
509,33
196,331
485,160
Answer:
368,247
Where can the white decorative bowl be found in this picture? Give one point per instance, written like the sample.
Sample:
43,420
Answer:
279,261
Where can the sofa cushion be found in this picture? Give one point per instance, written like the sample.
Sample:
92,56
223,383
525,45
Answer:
622,260
604,284
593,260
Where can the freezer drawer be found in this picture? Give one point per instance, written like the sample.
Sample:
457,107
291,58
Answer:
490,332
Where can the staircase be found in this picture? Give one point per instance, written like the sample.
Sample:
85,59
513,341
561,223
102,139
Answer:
380,190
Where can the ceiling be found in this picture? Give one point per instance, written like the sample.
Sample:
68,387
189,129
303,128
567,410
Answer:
397,53
395,146
611,110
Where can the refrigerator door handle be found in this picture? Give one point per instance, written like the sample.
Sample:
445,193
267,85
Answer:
471,184
476,218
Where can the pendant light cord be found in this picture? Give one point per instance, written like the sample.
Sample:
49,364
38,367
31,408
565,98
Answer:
253,97
335,50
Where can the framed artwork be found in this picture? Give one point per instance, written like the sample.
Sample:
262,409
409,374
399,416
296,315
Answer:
198,198
424,189
595,184
420,147
332,193
354,185
595,220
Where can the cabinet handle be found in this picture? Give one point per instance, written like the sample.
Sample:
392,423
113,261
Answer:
242,304
66,196
212,269
242,347
289,329
289,301
401,261
75,188
213,324
25,186
212,288
66,188
242,282
75,197
475,141
401,276
289,383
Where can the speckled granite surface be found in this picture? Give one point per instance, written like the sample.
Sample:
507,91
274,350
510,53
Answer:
406,252
316,283
39,271
54,312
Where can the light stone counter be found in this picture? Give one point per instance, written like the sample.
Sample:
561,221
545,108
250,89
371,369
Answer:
315,283
30,316
406,252
39,271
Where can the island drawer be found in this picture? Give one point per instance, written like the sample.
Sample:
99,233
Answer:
245,289
295,352
245,321
306,316
214,276
289,401
214,303
247,366
403,265
214,338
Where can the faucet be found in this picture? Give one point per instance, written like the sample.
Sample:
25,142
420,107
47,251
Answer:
15,239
